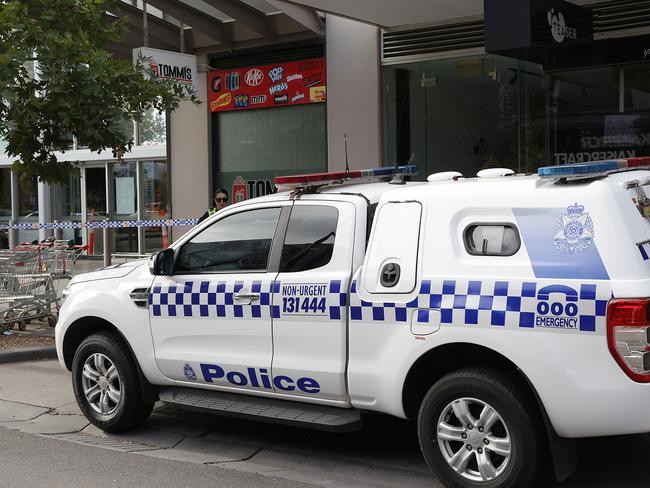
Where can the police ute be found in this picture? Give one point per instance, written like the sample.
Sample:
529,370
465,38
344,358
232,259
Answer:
506,314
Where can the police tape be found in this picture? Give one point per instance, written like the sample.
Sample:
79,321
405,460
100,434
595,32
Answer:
100,224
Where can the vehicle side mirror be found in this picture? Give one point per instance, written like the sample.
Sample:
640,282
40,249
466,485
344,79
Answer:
162,263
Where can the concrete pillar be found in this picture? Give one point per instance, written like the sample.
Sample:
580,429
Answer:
188,156
44,209
353,93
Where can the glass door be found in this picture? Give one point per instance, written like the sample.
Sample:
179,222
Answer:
124,204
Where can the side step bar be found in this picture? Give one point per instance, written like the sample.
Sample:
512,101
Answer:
264,409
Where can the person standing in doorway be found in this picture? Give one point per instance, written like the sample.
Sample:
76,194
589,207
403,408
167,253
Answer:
220,201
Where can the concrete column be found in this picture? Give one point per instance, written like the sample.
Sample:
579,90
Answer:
188,156
353,93
13,233
44,209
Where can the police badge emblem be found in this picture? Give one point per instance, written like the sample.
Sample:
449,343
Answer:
574,231
189,372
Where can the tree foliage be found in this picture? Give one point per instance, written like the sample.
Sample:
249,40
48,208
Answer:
77,87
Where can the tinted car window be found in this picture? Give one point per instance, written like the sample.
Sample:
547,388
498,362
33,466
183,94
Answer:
309,242
492,239
239,242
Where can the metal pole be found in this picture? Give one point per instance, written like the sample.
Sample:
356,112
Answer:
621,91
13,242
15,214
139,186
145,25
107,245
58,232
182,40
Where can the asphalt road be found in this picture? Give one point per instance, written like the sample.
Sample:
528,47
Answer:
52,445
29,461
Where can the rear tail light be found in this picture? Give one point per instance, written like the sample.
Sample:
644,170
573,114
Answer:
628,336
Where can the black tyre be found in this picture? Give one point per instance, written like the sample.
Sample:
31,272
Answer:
478,428
106,385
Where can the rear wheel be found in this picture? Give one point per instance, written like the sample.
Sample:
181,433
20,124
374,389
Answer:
106,385
479,428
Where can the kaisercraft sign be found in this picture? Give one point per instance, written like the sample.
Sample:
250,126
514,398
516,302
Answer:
170,65
274,85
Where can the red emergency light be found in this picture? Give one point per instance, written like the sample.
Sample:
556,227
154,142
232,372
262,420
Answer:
284,183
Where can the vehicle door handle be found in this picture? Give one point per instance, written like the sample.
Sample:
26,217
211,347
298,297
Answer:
246,297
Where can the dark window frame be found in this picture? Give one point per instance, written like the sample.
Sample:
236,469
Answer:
473,225
271,259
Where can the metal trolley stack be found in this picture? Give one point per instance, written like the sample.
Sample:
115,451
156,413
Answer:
29,277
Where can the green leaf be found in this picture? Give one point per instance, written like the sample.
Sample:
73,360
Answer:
81,89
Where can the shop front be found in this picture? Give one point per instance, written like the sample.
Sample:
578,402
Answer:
535,82
110,190
267,120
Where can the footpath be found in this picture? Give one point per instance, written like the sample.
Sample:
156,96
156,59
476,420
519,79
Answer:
36,397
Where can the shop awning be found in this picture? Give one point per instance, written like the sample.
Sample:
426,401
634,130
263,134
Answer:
218,24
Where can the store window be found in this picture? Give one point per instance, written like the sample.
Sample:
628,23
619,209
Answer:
125,204
253,146
600,113
156,203
67,206
466,114
471,113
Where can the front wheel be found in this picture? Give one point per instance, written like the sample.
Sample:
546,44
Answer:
106,385
479,429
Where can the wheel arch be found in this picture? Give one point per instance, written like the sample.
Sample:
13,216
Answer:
89,325
444,359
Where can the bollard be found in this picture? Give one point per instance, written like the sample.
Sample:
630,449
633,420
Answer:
107,245
13,242
58,232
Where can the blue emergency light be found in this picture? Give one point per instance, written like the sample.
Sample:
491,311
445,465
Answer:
592,169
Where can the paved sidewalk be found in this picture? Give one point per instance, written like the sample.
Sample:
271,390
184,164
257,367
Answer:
36,397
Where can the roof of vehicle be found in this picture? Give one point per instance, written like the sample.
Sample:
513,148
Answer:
506,190
371,191
487,189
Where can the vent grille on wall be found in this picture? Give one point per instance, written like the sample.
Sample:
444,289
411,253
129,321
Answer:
624,16
400,44
621,15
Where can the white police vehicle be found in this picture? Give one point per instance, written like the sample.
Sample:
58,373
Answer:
506,314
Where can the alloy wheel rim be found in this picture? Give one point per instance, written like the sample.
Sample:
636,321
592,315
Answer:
474,439
101,383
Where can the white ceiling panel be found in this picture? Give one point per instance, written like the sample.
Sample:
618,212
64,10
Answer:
393,13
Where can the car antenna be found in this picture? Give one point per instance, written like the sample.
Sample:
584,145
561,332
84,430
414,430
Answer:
347,164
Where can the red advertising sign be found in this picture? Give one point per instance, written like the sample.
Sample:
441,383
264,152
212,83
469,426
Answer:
274,85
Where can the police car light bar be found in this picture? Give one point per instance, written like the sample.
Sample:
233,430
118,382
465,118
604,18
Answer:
592,169
284,183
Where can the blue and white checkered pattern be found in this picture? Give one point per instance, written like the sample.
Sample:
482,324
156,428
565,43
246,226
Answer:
210,299
100,224
215,299
513,303
644,249
337,300
473,302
